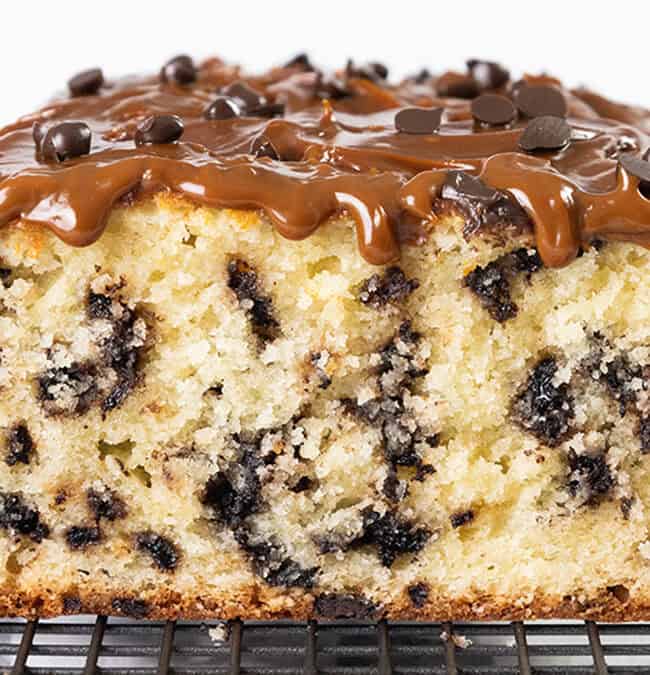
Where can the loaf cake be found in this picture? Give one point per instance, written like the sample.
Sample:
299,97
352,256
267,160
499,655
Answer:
311,344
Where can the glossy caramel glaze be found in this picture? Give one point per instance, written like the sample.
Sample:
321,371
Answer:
334,153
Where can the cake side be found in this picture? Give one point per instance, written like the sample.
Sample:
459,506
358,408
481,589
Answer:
203,419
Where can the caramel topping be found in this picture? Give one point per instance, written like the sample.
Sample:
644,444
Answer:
310,146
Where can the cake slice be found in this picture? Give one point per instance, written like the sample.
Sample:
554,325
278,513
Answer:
319,345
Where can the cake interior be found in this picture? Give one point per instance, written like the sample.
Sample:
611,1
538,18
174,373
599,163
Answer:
201,418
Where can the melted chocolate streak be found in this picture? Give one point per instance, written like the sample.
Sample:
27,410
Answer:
337,156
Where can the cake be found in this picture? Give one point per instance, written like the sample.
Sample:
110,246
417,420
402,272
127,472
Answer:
312,344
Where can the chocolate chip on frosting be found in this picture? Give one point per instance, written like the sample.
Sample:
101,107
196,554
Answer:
540,101
222,108
159,129
635,166
300,61
262,147
250,99
457,85
493,109
86,83
372,70
418,120
64,141
545,133
488,74
179,70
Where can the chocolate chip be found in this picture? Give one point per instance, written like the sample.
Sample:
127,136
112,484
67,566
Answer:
39,130
132,607
159,129
419,594
270,562
639,168
68,390
456,85
591,475
373,71
545,133
20,518
493,109
180,69
487,74
251,101
422,76
460,183
99,306
162,551
482,206
335,606
262,147
106,504
86,83
303,484
392,287
244,282
392,535
79,536
461,518
544,407
66,140
418,120
492,283
299,61
644,435
222,108
537,100
71,604
20,445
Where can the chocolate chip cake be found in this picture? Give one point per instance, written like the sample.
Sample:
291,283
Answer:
311,344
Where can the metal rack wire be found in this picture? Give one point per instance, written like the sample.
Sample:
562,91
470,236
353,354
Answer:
101,646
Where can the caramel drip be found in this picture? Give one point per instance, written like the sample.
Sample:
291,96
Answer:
343,155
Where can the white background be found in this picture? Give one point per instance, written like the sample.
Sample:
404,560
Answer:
583,42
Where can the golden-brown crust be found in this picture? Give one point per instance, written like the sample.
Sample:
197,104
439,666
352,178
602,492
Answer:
259,603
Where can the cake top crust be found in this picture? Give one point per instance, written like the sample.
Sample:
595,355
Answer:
304,145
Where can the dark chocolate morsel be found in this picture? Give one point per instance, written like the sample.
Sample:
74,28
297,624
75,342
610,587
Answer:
493,109
163,552
20,445
461,518
545,133
262,147
418,120
86,83
488,74
300,60
222,108
421,76
66,140
368,71
159,129
537,100
461,184
38,134
635,166
457,85
250,99
418,594
180,70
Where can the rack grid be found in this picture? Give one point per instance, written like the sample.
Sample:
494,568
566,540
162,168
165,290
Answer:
110,646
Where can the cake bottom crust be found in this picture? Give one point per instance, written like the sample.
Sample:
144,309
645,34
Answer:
255,603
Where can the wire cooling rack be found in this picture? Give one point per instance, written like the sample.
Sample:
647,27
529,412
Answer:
101,646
